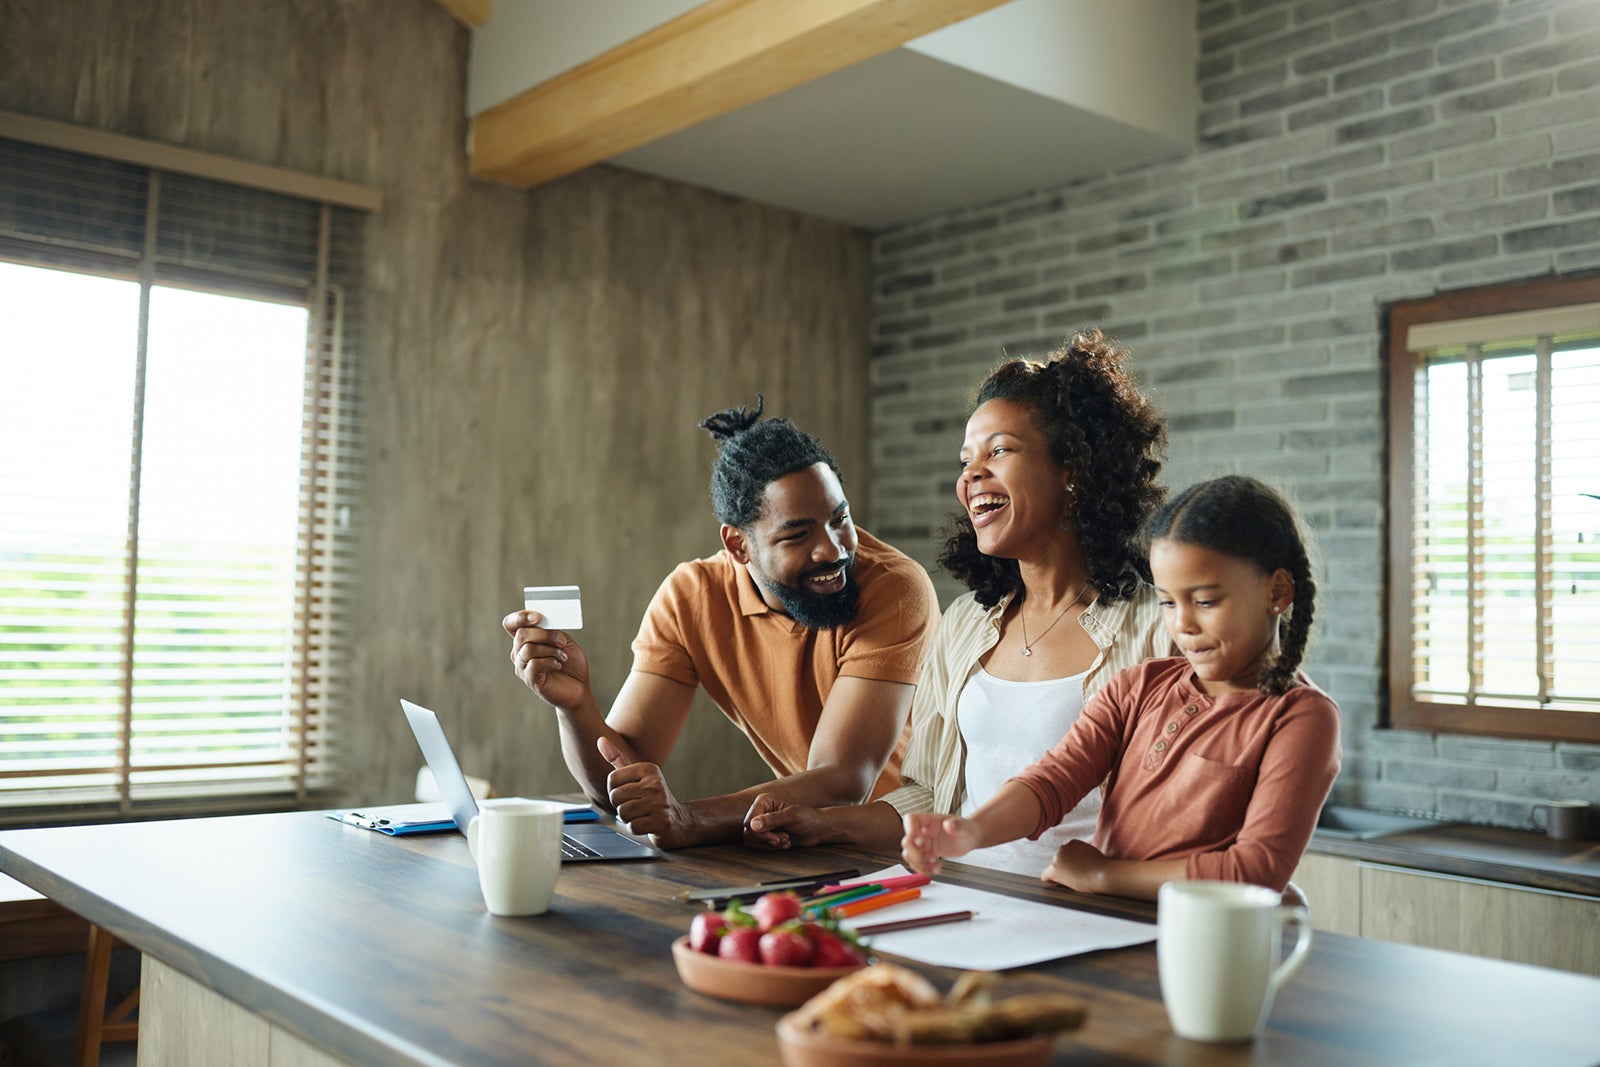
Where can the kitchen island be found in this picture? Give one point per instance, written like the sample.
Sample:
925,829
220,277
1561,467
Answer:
291,938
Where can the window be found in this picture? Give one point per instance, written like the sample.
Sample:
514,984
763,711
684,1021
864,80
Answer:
1494,511
179,464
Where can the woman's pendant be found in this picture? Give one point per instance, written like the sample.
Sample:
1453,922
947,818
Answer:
1026,651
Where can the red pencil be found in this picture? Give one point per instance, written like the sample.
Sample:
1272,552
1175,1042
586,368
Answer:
904,881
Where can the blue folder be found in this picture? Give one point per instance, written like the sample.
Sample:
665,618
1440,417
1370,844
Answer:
401,827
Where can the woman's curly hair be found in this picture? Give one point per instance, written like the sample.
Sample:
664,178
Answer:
1110,439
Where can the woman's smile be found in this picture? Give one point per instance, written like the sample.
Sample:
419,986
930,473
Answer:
983,507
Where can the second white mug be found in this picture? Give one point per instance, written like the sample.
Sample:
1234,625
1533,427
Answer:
517,846
1217,948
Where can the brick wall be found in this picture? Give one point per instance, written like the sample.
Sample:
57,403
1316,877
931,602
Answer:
1350,154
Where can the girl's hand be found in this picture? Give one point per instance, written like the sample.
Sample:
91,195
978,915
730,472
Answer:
1078,866
928,837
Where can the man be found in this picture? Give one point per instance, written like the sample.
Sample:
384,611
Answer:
804,631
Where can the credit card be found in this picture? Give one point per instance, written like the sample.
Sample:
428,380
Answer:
560,605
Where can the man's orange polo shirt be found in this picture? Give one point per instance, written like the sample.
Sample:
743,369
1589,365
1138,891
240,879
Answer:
708,626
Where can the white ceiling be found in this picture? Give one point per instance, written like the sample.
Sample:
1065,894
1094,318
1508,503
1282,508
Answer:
1031,94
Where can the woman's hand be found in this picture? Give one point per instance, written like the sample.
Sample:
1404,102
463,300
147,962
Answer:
930,837
773,823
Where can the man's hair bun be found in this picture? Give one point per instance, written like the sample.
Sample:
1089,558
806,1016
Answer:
729,421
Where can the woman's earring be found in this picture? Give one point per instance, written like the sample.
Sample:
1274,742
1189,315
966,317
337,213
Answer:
1071,488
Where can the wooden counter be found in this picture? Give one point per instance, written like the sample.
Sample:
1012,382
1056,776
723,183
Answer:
361,948
1494,854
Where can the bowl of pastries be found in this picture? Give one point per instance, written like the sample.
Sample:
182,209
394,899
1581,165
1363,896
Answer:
886,1015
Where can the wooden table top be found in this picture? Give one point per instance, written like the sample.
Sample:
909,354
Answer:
378,950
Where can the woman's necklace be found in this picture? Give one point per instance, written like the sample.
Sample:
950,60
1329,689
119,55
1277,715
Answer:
1022,616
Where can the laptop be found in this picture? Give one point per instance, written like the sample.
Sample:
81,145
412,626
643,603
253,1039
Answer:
580,842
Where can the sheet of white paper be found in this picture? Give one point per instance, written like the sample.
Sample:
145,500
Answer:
1005,933
406,813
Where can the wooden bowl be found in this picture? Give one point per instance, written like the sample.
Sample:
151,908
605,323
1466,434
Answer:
802,1048
752,983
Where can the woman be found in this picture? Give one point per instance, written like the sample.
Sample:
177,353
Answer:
1058,474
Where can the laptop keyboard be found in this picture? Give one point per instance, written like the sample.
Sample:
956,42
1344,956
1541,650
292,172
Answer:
572,849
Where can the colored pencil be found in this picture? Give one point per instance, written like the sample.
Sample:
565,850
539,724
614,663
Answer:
904,881
803,886
873,903
830,900
912,924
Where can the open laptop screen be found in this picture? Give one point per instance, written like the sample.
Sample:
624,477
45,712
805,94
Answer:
579,841
441,759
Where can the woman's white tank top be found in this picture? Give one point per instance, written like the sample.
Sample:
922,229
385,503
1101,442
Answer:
1007,726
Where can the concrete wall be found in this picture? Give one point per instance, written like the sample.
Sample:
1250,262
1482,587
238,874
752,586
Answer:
1352,154
535,362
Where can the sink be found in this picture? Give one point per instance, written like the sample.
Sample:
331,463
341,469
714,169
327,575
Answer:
1360,824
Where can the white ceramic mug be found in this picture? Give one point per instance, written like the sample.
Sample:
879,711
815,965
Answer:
1217,945
517,846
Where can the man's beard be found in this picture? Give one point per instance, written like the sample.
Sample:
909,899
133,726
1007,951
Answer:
819,611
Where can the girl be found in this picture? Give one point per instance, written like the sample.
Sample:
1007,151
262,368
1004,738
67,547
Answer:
1218,761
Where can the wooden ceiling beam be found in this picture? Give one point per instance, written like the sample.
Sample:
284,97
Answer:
470,13
709,61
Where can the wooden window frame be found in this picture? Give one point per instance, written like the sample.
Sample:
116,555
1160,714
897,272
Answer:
1405,711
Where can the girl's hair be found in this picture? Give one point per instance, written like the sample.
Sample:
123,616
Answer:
752,455
1250,520
1110,439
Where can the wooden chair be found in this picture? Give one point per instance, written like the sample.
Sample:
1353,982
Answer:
96,1027
51,1038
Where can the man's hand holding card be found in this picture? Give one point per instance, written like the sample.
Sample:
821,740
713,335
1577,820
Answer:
548,661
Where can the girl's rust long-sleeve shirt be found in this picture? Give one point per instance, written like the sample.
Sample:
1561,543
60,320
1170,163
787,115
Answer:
1233,783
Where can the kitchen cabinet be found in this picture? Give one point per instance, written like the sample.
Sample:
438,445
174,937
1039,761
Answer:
1333,889
1537,926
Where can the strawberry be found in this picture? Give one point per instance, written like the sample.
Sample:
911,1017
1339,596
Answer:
832,950
705,930
785,947
742,943
775,909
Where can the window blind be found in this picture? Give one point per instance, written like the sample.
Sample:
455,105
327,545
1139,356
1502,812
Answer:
178,485
1505,562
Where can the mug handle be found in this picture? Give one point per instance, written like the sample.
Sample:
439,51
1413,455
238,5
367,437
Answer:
1541,824
1300,918
472,836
